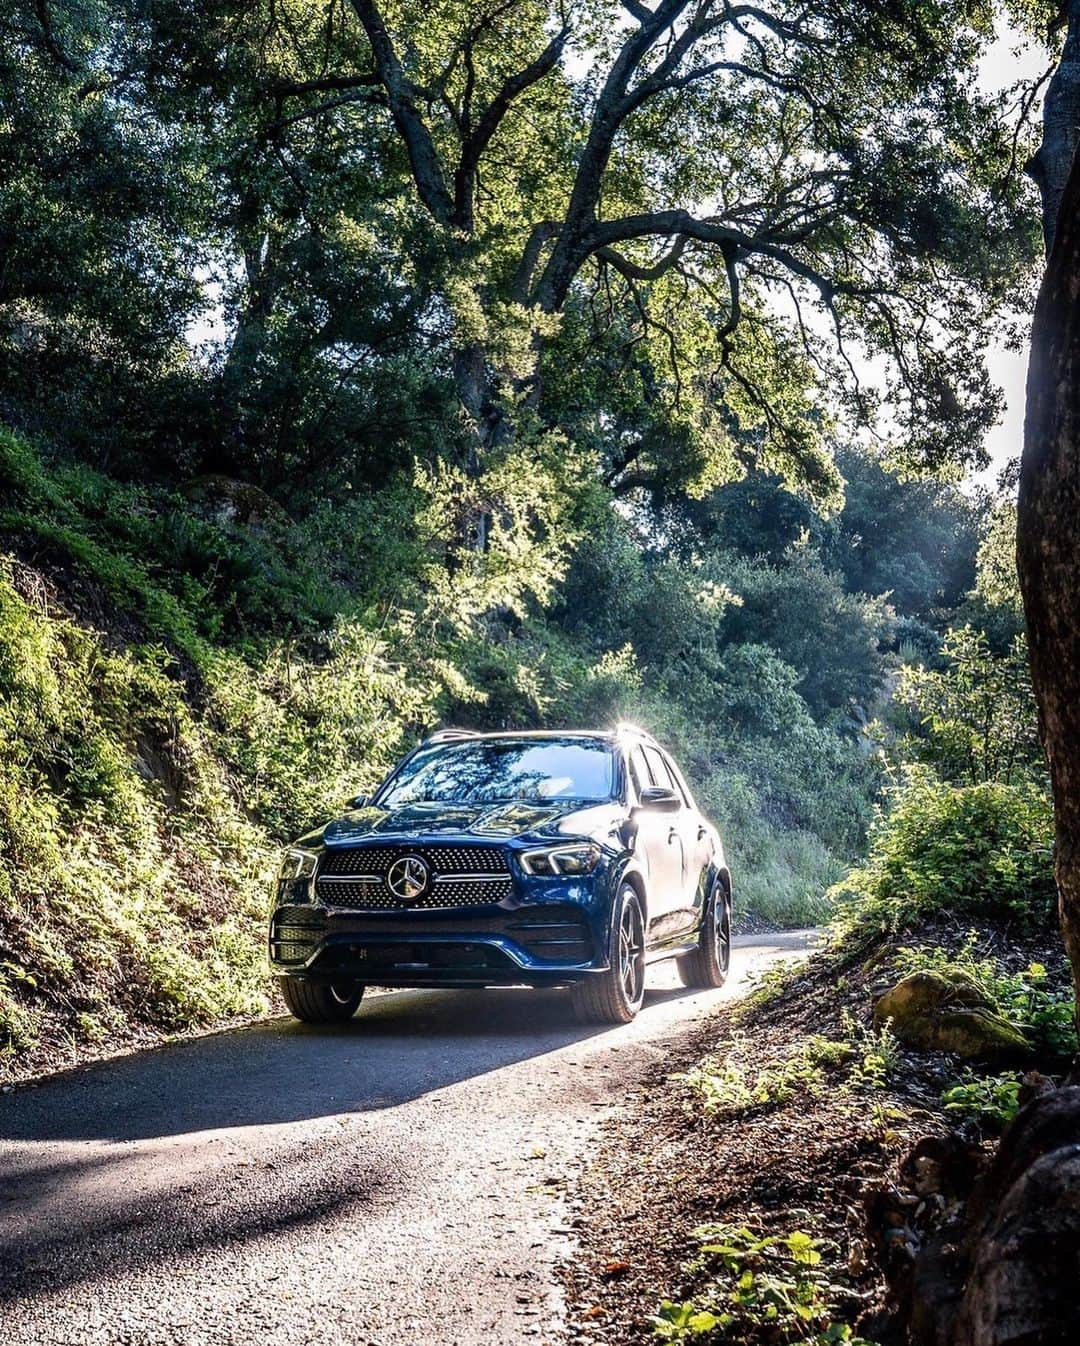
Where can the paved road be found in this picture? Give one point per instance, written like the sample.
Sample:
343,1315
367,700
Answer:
397,1180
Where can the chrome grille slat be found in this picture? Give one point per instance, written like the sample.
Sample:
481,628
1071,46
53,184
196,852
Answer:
375,860
354,878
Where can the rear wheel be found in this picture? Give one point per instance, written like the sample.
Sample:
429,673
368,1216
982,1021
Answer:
615,996
314,1003
708,964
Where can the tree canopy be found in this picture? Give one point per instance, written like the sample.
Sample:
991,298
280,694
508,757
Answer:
684,238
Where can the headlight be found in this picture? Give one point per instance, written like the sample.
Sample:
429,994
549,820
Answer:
297,864
575,858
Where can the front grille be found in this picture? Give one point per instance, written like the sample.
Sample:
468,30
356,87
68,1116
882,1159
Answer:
441,894
353,879
440,859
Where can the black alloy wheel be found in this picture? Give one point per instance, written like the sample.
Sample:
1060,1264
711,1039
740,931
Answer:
709,963
615,996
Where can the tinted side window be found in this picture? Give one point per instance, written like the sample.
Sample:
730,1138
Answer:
658,768
639,771
680,784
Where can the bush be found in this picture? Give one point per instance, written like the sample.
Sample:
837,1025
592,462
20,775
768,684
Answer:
982,850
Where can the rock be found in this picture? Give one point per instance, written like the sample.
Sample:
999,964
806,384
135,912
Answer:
1023,1235
226,500
948,1012
942,1166
1002,1267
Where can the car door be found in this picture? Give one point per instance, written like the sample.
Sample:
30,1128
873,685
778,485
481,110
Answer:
667,855
658,846
697,838
683,838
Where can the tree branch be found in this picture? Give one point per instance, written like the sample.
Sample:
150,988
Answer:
614,104
52,42
478,139
632,271
666,223
287,88
639,11
374,97
542,232
423,157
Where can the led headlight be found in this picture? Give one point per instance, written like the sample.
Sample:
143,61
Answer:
579,857
297,864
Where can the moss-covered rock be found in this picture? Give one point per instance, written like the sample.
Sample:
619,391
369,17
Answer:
948,1012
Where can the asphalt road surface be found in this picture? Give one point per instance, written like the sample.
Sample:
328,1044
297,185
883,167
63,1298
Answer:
396,1180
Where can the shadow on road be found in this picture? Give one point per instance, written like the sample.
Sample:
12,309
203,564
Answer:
399,1046
77,1195
189,1148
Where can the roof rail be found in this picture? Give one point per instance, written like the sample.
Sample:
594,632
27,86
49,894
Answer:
450,735
623,727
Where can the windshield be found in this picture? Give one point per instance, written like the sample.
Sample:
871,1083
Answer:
489,771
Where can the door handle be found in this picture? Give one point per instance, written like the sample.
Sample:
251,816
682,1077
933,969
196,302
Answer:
673,834
701,834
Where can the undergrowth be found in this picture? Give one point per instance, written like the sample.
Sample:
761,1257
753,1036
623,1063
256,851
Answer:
761,1287
979,850
727,1085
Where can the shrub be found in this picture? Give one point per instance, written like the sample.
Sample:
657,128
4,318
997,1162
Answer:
980,850
771,1287
731,1084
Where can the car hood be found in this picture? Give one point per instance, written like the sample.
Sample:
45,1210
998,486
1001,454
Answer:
414,822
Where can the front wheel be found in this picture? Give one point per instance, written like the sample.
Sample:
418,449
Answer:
615,996
314,1003
708,964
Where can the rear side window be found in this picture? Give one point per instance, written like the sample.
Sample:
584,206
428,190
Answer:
639,771
680,784
658,769
663,773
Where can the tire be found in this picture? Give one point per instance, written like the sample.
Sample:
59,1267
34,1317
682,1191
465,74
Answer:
615,996
314,1003
708,964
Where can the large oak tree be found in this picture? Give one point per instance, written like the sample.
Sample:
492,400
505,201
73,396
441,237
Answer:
1048,522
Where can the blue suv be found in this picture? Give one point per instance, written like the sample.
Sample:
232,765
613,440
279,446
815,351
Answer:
535,859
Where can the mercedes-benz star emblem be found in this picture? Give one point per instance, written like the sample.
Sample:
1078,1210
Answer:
407,878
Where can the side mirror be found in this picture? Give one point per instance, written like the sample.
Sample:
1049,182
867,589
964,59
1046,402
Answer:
359,801
661,799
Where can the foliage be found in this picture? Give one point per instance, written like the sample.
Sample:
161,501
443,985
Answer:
237,241
995,604
775,1284
966,850
913,539
976,716
991,1100
114,902
730,1085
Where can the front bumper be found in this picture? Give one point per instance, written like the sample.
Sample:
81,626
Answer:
553,933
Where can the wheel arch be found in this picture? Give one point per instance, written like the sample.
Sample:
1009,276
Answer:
636,880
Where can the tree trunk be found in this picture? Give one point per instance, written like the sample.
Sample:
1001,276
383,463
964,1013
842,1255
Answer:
1048,543
1061,124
